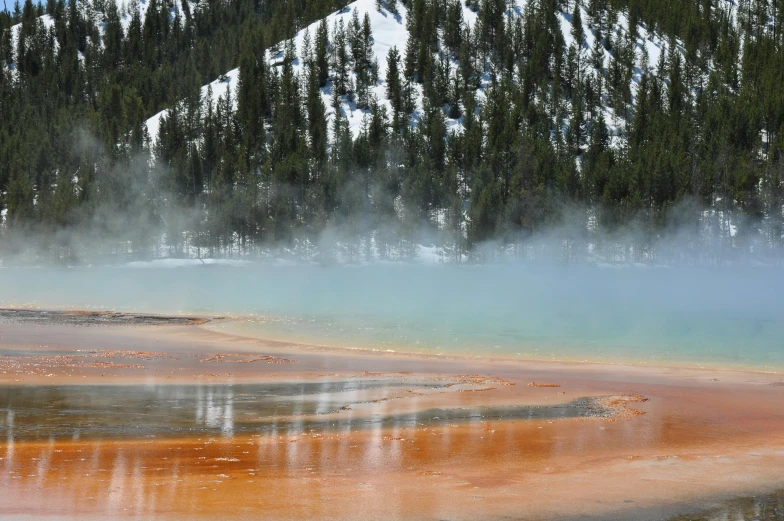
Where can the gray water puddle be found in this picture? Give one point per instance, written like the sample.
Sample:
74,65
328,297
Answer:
89,318
764,507
139,411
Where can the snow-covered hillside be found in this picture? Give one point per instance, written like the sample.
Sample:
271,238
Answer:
91,10
389,29
45,20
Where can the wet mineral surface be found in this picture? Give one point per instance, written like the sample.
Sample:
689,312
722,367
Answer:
180,422
138,411
765,507
91,318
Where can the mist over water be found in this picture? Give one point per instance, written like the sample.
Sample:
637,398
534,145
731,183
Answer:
725,317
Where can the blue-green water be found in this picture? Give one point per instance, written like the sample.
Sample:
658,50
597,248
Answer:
695,316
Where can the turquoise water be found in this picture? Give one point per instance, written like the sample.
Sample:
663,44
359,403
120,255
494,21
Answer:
725,317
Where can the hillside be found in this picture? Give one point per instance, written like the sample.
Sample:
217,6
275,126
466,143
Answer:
390,30
618,124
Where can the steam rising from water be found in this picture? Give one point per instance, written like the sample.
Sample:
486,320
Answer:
133,210
697,316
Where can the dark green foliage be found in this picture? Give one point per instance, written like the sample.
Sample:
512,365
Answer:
698,135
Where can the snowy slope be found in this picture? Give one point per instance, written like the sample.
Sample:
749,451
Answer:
91,10
390,30
47,21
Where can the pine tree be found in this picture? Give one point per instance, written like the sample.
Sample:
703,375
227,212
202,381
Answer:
577,26
355,41
394,89
252,99
597,54
317,121
113,37
19,200
307,51
340,60
453,27
321,58
364,63
411,65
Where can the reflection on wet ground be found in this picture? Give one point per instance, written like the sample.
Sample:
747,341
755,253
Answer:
767,507
148,411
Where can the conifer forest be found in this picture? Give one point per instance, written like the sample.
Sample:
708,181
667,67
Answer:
324,130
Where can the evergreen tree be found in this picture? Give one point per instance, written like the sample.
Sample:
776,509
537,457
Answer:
453,27
577,26
394,88
321,57
252,99
317,121
597,54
